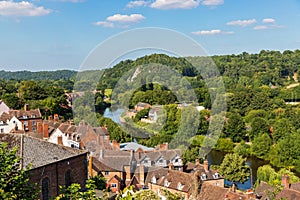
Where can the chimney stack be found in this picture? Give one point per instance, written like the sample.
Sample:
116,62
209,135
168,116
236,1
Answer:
142,174
50,118
128,174
101,154
205,164
26,107
171,166
250,195
45,131
40,128
115,145
90,166
285,181
197,162
56,118
60,140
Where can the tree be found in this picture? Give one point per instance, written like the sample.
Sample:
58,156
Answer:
261,145
14,181
74,192
235,127
234,168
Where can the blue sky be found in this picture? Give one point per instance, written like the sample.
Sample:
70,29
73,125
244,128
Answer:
59,34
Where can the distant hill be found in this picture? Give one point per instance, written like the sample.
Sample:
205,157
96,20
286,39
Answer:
42,75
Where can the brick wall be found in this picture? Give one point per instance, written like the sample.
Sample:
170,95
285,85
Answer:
56,173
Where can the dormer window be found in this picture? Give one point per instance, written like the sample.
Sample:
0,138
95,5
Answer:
180,186
216,175
203,177
32,116
25,116
153,180
166,183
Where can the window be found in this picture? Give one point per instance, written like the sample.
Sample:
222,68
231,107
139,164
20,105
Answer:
113,185
203,177
180,186
218,183
2,130
153,180
33,123
166,184
45,188
216,175
26,123
106,173
68,178
161,161
176,160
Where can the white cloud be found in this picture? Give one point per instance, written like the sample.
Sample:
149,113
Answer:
133,4
104,24
125,18
260,27
121,21
213,2
212,32
175,4
72,1
268,20
22,8
242,22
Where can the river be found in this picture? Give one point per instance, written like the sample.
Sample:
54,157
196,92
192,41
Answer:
214,157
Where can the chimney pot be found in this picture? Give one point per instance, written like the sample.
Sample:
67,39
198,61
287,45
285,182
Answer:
50,118
60,140
197,162
206,167
171,166
26,107
285,181
45,131
56,118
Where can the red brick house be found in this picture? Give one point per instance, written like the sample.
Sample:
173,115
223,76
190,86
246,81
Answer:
51,165
29,118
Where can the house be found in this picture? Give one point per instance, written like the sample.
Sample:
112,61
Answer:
212,192
141,106
289,191
205,174
82,136
10,124
3,107
52,165
28,118
159,179
188,184
126,168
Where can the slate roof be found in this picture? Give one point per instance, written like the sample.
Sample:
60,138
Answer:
38,152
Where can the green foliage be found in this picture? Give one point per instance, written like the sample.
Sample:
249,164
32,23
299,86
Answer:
145,195
267,174
141,114
14,181
225,144
261,145
242,149
235,127
234,168
74,192
100,182
172,196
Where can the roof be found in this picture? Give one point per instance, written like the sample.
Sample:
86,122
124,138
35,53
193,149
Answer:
134,146
174,177
291,193
23,114
3,107
212,192
210,174
38,152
